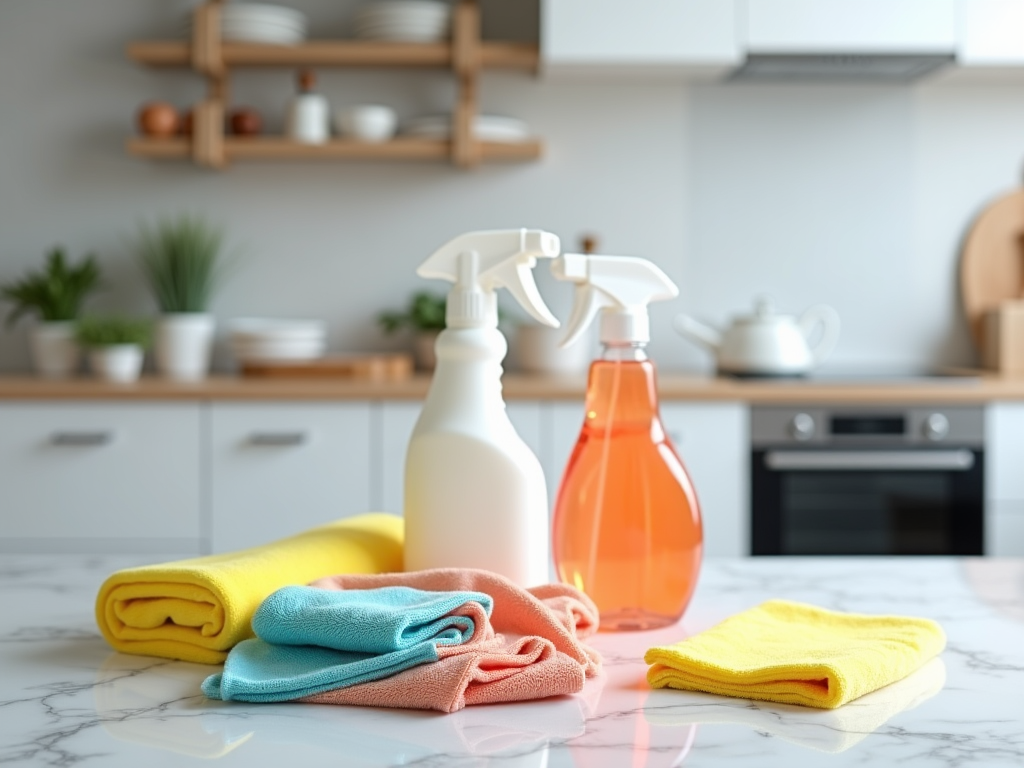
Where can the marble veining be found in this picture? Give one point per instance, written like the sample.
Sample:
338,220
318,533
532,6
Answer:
66,699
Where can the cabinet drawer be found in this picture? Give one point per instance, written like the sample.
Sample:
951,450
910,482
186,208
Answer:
101,472
278,469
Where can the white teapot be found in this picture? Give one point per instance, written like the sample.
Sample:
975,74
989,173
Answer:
766,343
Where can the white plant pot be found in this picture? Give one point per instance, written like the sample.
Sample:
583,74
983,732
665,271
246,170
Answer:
119,363
537,350
183,345
55,353
424,349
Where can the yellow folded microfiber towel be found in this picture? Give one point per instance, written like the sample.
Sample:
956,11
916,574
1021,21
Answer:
797,654
198,609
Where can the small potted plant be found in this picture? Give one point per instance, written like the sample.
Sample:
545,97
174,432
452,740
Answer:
115,345
183,264
55,294
425,315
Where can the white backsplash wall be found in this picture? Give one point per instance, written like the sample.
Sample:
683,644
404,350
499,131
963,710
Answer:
850,195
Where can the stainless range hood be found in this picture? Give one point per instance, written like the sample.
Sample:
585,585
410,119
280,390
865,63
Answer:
839,67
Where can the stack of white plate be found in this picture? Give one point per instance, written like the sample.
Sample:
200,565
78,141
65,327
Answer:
485,128
419,21
262,23
263,340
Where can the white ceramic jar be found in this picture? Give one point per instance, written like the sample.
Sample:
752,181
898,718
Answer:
366,122
119,363
183,345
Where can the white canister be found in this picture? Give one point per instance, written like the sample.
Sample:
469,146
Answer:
55,353
120,363
183,345
537,350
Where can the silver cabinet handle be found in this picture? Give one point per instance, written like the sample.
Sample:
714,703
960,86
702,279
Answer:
278,439
956,461
81,439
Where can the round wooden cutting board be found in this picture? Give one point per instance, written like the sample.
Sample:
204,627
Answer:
992,260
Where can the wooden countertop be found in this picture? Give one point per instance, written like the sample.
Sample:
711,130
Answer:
978,388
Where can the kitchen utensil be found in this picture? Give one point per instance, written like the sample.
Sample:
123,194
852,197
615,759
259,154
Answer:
485,127
766,343
1003,327
372,367
158,119
992,260
366,122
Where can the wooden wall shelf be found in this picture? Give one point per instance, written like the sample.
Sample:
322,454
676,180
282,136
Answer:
278,148
466,55
337,53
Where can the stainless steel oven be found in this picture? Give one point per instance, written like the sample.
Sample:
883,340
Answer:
867,481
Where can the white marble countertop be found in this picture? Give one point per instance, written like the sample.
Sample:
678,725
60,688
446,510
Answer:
66,699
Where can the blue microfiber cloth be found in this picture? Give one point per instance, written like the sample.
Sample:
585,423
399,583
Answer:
313,640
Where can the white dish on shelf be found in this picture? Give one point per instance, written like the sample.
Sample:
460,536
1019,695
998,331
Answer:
261,23
408,20
260,328
495,128
366,122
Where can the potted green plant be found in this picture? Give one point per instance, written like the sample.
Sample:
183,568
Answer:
425,316
116,345
55,294
182,259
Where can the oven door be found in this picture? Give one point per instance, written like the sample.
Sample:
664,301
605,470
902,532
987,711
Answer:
867,502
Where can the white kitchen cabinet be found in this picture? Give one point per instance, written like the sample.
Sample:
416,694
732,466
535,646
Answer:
563,422
989,33
87,476
713,441
690,37
850,26
394,422
1004,529
276,469
1004,452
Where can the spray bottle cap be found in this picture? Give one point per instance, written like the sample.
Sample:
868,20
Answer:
480,262
621,286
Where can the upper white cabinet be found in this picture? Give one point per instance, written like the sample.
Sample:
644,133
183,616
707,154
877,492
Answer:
990,33
279,468
698,37
100,477
849,26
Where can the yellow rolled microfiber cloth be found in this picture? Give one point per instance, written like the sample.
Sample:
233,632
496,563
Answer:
797,654
198,609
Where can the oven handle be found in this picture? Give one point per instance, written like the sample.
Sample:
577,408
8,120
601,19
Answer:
960,460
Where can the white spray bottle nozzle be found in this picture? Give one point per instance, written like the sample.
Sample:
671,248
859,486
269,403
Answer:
480,262
622,286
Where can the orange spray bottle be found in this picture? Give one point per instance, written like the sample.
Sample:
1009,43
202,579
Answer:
627,525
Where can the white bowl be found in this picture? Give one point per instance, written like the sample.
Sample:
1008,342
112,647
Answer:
274,329
366,122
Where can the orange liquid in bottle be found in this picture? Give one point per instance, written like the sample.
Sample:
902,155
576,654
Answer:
627,527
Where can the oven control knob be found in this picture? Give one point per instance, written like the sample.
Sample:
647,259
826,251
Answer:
802,427
935,427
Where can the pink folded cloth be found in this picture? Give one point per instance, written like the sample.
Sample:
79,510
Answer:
537,652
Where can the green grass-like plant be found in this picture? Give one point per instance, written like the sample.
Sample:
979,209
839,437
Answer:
182,261
56,292
111,331
425,313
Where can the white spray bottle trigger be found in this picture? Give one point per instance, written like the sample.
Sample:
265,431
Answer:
622,286
480,262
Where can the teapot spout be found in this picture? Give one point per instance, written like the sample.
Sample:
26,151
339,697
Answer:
697,331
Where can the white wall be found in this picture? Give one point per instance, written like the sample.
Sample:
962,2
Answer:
852,195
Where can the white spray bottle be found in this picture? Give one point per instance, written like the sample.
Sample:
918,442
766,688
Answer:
475,495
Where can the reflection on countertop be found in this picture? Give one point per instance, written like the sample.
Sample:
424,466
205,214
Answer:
68,699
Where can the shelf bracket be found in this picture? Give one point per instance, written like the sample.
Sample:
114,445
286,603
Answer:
466,61
208,59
